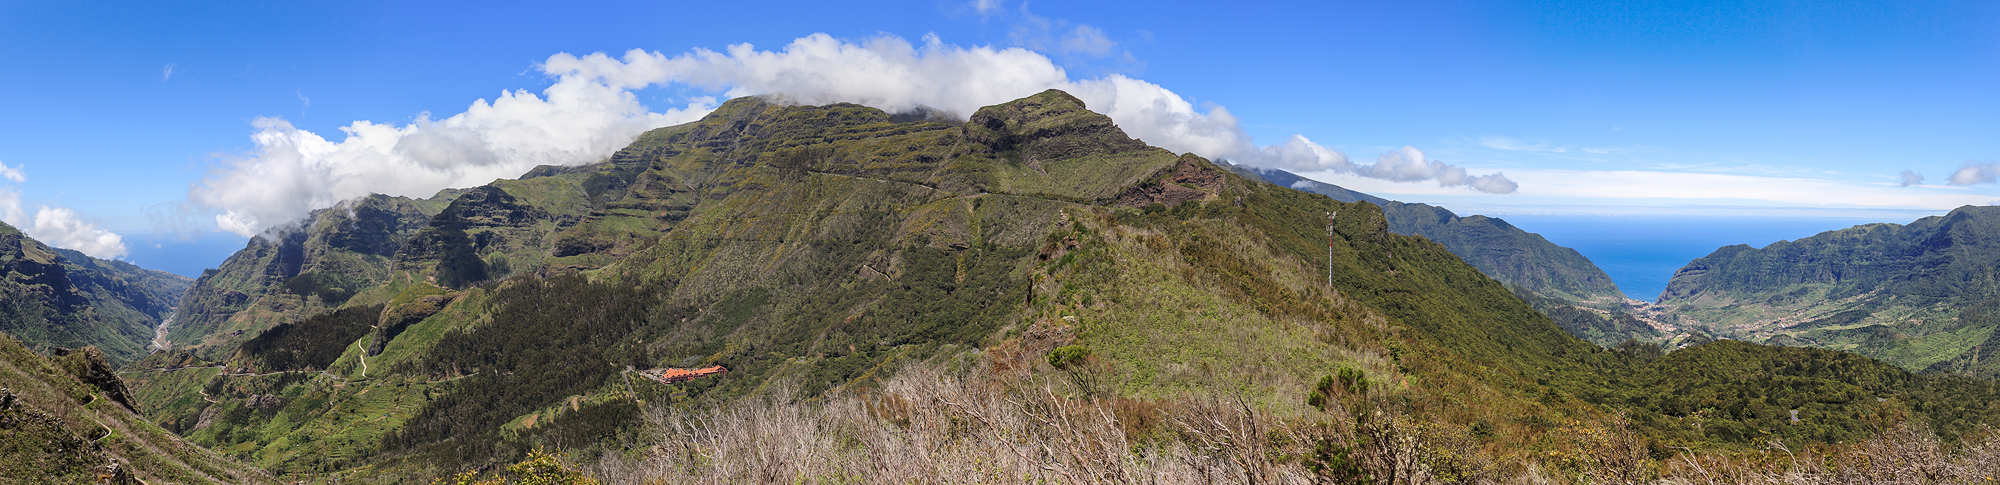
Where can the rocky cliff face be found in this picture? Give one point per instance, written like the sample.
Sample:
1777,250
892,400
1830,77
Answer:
298,271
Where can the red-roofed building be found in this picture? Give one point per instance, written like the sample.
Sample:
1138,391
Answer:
671,376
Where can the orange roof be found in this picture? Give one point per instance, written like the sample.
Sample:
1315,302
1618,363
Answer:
671,375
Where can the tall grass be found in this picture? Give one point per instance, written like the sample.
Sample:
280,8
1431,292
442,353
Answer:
928,425
924,426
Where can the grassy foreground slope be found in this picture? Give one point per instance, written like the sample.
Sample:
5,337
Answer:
67,418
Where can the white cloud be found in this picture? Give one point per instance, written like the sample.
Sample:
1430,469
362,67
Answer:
591,111
1517,145
12,173
1975,173
1494,183
891,74
166,72
10,207
1911,178
580,119
1409,165
55,226
62,227
986,7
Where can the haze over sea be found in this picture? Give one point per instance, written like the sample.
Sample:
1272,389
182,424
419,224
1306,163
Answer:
1641,253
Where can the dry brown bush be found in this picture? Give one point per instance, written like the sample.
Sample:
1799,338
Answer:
1899,454
924,426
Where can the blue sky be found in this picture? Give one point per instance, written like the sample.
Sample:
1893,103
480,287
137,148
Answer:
132,122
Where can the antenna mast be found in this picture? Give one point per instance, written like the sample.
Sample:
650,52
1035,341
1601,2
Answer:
1329,249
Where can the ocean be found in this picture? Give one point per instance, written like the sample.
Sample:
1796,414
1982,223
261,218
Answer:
1641,253
181,256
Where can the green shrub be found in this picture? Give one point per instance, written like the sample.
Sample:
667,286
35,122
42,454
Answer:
1067,356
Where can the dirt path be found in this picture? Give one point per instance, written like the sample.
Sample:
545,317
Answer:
364,360
142,371
628,383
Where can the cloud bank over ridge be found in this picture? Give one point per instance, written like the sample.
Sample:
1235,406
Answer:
591,111
1974,173
56,226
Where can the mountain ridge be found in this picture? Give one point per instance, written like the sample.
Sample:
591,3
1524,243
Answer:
818,251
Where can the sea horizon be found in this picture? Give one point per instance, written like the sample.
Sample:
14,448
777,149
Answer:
1641,253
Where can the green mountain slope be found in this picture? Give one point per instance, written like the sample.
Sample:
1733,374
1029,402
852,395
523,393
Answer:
1741,392
1916,295
1505,252
1556,280
53,297
818,250
367,250
296,272
67,418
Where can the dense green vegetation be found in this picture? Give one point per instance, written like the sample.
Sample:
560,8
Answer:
1599,326
310,344
1737,392
550,339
